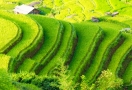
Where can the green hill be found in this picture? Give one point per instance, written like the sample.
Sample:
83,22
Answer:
74,44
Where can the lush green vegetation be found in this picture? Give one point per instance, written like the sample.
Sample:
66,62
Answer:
53,31
87,35
101,53
27,62
127,75
8,36
4,61
72,45
67,43
32,35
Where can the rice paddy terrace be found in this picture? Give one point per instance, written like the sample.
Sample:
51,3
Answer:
36,43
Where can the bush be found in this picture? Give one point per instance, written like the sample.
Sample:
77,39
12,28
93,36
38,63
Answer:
46,83
5,81
24,86
43,82
62,74
107,80
23,77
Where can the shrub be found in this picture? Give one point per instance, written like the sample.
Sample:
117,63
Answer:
24,86
23,77
5,81
46,83
107,80
84,85
63,76
29,79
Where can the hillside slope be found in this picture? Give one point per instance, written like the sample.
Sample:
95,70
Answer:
86,36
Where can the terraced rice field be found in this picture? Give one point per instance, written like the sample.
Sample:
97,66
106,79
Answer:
88,35
32,36
67,43
37,43
111,34
4,61
8,36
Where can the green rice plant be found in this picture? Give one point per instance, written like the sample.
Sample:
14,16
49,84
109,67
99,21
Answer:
83,10
60,16
4,61
120,54
58,3
127,56
87,4
27,65
79,17
32,63
1,1
127,76
85,63
6,5
32,37
118,59
102,6
75,8
126,11
119,18
123,58
24,1
111,33
86,34
53,30
65,50
70,7
125,63
111,49
10,4
70,46
64,12
48,3
44,11
72,20
117,4
90,14
53,33
128,1
9,36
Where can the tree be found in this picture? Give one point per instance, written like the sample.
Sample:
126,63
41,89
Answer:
84,85
107,80
62,73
